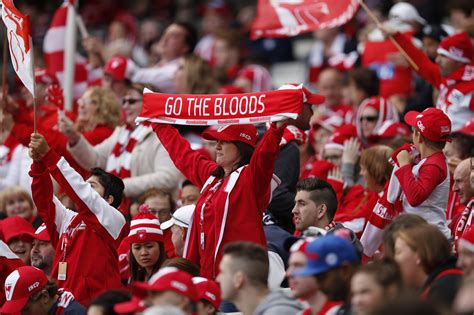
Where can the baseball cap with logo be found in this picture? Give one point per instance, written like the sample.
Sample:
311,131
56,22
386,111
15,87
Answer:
208,290
20,285
245,133
41,233
181,217
167,279
326,253
457,47
432,123
116,67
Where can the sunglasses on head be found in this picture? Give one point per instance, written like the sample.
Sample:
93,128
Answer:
130,101
369,118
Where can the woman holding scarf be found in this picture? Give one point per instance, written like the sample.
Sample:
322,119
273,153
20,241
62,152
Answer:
236,188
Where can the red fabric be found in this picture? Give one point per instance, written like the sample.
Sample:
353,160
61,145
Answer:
458,47
169,247
431,174
283,19
394,79
463,223
454,208
8,263
452,271
248,199
328,308
222,109
86,243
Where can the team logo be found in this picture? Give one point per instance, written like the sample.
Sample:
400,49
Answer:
420,125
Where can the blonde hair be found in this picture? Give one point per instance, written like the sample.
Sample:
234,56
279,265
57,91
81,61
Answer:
12,192
199,75
108,108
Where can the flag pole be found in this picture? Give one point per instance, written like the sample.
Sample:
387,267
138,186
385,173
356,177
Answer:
4,69
69,58
394,42
35,108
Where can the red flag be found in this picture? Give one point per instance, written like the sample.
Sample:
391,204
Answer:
19,41
283,18
54,46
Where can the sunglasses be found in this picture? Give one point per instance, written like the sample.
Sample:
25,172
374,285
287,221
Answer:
131,101
369,118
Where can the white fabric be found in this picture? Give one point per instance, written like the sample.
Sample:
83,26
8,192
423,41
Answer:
276,271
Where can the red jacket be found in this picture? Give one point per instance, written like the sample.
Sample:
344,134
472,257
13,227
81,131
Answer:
87,240
455,90
9,262
229,209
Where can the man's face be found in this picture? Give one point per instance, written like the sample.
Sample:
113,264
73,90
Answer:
305,211
447,65
21,248
225,278
172,44
168,298
42,255
96,185
430,45
189,195
301,287
462,184
330,86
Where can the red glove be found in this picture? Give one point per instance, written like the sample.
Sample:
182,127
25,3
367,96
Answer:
293,133
55,96
407,147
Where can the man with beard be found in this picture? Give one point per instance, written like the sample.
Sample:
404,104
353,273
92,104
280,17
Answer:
42,252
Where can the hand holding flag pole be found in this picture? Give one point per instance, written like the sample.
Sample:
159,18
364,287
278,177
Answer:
395,43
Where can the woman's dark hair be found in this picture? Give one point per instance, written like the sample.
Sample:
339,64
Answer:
138,273
403,221
245,152
366,80
464,144
182,264
113,185
385,272
107,300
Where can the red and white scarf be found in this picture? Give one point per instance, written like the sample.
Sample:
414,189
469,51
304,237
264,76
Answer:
121,159
225,109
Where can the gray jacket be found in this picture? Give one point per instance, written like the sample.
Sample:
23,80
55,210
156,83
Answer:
277,302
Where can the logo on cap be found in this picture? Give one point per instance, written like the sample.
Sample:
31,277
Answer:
445,129
33,286
222,128
245,136
178,285
331,259
115,64
8,292
420,125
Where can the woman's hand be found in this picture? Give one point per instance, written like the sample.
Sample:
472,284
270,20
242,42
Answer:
350,154
335,174
66,126
404,158
38,146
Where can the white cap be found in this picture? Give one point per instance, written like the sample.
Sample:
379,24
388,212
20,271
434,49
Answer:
181,217
405,12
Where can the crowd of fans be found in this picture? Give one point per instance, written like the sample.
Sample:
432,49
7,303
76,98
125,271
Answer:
361,205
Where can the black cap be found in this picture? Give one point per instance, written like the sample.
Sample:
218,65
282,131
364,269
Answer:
435,32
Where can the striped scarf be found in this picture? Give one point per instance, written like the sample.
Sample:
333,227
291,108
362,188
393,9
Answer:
119,163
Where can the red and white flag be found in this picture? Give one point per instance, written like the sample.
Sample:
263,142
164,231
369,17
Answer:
54,46
19,43
284,18
224,109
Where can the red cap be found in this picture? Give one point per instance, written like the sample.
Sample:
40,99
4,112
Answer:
144,227
20,285
230,89
457,47
243,133
41,233
432,123
321,169
116,67
16,226
467,239
342,134
468,128
167,279
392,129
134,305
208,290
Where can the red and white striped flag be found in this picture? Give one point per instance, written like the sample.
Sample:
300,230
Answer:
283,18
19,43
54,46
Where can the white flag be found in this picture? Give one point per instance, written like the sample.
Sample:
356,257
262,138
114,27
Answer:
19,43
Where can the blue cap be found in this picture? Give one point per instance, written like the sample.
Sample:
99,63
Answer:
326,253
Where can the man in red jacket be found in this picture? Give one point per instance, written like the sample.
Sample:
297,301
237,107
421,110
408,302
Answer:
452,74
86,242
